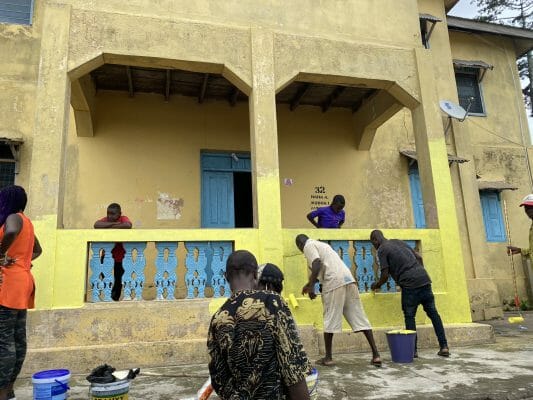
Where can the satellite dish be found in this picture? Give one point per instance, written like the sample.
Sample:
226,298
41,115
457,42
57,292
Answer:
455,111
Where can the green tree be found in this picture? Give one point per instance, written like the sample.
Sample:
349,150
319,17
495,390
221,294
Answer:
517,13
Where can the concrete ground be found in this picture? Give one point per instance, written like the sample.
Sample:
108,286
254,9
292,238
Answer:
503,370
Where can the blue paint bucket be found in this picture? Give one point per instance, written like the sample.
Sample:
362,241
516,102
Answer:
51,384
401,345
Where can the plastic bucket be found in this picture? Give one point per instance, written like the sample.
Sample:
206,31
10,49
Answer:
110,391
312,383
402,345
51,384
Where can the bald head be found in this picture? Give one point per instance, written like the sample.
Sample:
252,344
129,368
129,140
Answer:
301,239
377,238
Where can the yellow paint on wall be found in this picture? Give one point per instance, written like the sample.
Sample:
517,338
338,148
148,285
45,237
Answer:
144,148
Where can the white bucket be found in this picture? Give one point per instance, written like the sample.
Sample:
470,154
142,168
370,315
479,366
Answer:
115,390
51,384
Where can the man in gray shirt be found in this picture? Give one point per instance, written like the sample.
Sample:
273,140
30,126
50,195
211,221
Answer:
397,259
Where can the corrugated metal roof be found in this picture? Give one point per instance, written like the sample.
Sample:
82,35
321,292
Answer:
523,38
472,64
451,158
429,17
495,185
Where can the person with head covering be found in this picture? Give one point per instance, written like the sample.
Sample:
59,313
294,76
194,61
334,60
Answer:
18,247
254,348
527,203
270,277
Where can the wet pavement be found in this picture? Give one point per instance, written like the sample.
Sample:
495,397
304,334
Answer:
502,370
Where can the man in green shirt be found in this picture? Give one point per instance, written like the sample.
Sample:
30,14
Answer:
527,203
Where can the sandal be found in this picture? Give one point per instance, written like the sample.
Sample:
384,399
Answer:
444,352
376,362
325,362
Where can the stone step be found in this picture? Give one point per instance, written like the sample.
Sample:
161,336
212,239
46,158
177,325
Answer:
152,334
120,322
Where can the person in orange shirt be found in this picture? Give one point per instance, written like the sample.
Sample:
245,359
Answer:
18,247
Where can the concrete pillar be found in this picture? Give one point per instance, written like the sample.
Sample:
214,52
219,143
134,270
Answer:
264,146
484,296
51,115
437,189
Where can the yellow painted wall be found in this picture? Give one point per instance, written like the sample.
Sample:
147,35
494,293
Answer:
19,66
499,142
318,149
261,48
142,147
341,20
127,130
384,309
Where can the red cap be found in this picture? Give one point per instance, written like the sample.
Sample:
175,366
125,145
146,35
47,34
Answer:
527,201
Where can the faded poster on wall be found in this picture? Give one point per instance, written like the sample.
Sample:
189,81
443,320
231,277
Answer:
169,207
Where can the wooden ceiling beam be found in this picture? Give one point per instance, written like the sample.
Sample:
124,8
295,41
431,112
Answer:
203,89
130,80
332,97
359,103
299,95
167,85
233,96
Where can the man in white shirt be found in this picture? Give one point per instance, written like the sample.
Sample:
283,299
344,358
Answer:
340,296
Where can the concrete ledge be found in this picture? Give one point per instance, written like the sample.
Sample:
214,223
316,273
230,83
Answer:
457,335
119,322
82,359
155,334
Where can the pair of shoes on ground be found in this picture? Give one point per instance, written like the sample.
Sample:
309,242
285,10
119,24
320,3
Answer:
326,362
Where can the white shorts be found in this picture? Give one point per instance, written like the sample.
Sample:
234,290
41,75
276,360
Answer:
344,301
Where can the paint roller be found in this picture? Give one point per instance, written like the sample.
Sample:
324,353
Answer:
293,301
520,318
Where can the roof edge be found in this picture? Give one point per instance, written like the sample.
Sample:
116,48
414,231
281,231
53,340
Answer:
449,4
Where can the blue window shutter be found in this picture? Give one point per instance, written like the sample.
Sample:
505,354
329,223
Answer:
416,197
16,11
492,216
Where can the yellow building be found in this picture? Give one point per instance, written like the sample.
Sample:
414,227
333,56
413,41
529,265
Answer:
220,125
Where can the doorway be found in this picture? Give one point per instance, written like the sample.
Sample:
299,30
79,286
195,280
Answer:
226,190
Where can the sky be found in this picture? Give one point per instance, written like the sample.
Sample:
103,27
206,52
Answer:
465,9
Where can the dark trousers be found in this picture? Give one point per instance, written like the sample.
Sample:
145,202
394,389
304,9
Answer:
118,271
411,299
12,344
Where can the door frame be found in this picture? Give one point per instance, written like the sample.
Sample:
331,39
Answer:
221,161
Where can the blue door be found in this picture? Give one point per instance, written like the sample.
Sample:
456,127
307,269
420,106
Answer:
226,193
416,196
492,216
217,200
